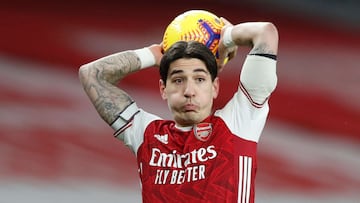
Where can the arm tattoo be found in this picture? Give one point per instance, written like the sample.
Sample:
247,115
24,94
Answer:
100,80
262,48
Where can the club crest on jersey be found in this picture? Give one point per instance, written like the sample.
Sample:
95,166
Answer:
202,131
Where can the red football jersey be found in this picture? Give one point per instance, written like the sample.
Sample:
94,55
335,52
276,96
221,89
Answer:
213,161
178,166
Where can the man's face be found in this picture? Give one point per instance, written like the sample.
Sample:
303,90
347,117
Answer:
189,91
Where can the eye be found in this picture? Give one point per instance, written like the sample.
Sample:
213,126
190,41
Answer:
177,80
200,79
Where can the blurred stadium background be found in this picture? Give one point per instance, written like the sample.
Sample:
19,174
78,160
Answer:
54,147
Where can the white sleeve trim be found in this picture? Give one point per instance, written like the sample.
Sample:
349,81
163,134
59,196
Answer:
125,117
258,77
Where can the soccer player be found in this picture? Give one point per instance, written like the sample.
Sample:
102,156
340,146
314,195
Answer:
202,155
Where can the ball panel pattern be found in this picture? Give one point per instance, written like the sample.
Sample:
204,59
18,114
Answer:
197,25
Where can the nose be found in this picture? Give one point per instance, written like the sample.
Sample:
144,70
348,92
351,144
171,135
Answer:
189,90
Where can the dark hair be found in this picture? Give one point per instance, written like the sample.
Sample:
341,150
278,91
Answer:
188,49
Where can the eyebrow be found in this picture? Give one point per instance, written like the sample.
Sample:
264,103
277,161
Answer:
181,71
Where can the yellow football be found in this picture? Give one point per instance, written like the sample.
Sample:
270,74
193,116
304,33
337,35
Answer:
198,25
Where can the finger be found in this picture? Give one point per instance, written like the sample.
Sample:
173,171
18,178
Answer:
225,21
232,54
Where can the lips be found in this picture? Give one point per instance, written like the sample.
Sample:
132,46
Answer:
190,107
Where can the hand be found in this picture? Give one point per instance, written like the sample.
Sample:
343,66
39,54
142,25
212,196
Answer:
156,50
225,53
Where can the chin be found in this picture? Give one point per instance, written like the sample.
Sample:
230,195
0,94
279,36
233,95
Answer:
191,121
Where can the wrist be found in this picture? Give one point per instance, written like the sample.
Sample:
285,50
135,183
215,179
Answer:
146,57
227,38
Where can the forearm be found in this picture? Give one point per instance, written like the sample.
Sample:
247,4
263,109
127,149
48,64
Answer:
110,69
100,78
261,36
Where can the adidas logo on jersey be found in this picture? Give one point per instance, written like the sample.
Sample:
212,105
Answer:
162,138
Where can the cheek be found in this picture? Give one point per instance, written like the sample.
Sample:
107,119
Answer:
174,103
211,92
172,95
173,91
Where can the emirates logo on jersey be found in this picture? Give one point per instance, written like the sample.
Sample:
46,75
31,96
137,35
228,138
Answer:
202,131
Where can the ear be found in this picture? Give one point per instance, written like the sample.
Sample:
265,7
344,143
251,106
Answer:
216,87
162,89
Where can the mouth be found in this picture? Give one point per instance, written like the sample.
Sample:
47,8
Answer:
190,108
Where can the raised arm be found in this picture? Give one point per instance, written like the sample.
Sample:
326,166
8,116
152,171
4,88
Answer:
262,37
100,79
258,75
248,109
